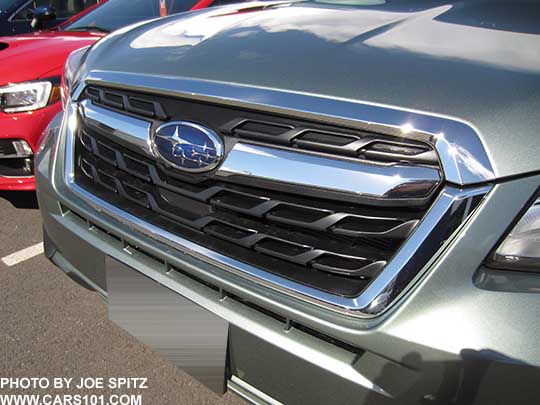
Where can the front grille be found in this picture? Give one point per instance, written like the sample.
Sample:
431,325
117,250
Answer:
330,245
329,240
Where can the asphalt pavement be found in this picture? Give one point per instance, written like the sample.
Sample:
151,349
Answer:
51,327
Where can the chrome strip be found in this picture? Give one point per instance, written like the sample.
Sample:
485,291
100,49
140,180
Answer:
134,131
15,156
370,303
249,393
16,177
293,168
463,156
420,248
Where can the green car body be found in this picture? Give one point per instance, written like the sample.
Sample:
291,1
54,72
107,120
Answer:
436,324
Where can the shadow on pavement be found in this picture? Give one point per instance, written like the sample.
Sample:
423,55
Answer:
21,199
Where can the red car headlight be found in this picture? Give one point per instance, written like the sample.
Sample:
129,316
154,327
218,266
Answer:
27,96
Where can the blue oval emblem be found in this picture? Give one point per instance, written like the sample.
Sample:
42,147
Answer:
188,146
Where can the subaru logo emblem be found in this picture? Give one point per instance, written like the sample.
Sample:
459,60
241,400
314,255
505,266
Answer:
188,146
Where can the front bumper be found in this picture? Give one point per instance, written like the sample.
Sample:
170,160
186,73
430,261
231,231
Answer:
18,183
461,334
29,127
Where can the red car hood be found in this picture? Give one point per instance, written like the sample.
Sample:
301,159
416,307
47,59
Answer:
36,55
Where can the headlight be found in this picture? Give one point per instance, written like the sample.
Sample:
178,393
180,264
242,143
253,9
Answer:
521,248
25,96
71,75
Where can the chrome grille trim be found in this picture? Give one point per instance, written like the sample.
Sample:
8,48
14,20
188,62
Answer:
459,146
416,252
360,179
134,131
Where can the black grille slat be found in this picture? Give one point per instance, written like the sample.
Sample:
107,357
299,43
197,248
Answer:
113,99
363,272
297,213
319,137
139,106
398,152
394,229
231,233
252,129
93,94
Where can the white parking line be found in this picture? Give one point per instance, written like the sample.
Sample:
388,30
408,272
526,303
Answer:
22,255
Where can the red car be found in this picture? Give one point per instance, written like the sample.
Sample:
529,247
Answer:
30,71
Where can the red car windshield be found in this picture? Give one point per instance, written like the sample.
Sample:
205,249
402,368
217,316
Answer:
118,13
